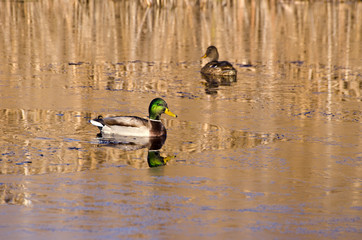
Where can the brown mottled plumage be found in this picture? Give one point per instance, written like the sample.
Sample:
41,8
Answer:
214,67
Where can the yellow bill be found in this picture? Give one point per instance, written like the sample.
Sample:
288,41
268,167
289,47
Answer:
204,56
168,112
168,158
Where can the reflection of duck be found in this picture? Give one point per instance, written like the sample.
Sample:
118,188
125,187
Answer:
134,143
136,126
214,67
154,159
154,144
214,81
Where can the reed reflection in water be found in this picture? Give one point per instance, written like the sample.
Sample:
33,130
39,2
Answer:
273,153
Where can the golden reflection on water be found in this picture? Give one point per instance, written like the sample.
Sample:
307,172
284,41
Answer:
318,58
49,141
67,62
286,131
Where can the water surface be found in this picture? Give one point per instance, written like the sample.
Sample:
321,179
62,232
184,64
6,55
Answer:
273,154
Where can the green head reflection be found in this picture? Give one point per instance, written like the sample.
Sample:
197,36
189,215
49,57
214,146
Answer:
154,159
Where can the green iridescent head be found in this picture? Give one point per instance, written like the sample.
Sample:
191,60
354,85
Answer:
157,107
211,53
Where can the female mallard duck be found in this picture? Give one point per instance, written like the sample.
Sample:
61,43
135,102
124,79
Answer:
215,67
136,126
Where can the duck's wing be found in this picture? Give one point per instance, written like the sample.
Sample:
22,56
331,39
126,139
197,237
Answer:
212,64
125,126
225,65
122,121
216,64
126,121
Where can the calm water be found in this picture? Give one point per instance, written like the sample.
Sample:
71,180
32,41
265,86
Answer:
273,154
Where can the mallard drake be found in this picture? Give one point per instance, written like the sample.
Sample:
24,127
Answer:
215,67
136,126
